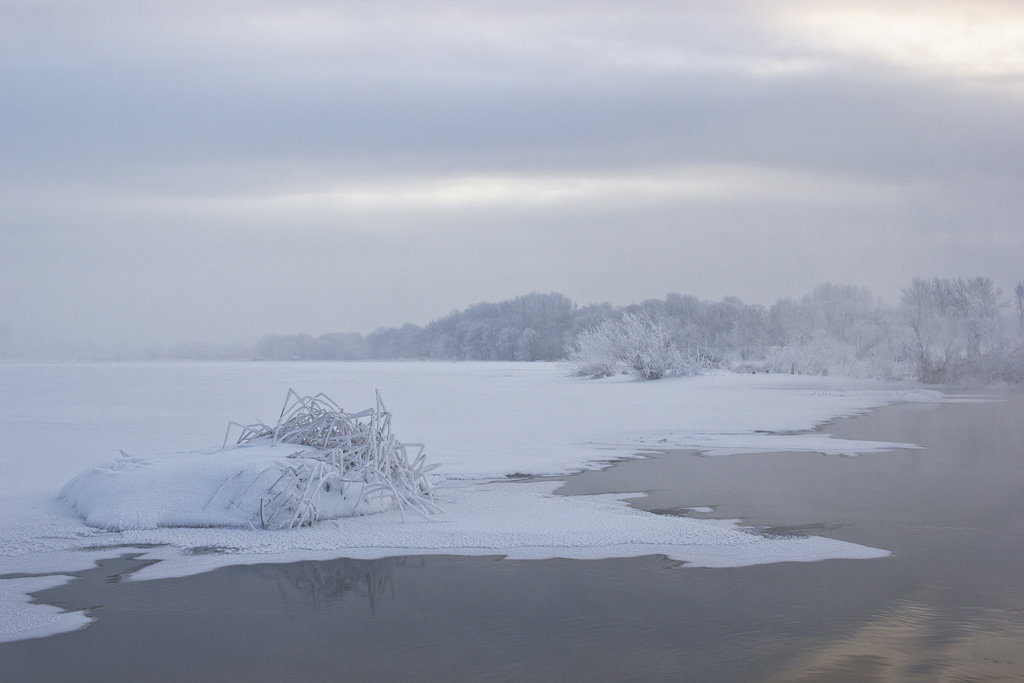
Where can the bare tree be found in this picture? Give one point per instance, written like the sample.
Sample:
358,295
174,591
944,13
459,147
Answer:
1019,291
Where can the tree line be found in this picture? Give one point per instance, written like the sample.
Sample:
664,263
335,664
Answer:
942,331
528,328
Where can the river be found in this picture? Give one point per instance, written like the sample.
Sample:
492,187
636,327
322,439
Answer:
948,604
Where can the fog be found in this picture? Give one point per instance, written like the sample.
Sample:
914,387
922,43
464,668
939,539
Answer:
219,171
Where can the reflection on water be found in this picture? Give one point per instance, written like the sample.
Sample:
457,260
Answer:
947,605
916,641
317,583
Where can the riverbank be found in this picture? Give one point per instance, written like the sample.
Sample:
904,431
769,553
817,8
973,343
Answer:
945,604
480,422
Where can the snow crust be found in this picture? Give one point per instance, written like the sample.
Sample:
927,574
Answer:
480,421
20,620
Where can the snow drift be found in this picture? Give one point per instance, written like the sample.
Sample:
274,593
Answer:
317,462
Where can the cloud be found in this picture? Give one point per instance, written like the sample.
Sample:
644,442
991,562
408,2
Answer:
964,40
187,169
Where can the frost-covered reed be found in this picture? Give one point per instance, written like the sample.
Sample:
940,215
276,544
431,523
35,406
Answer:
351,464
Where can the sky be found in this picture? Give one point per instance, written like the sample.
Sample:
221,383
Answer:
219,170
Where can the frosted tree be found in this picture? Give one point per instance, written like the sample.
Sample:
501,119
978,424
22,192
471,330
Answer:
597,352
634,344
956,329
1019,291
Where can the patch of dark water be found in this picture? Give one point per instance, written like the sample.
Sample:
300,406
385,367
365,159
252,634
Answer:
947,604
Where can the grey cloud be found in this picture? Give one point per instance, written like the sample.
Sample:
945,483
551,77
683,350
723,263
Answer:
133,135
116,125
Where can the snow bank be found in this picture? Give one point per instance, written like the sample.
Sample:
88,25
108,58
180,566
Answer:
480,421
318,462
192,489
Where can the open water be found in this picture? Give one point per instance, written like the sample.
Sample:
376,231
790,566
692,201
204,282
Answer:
948,604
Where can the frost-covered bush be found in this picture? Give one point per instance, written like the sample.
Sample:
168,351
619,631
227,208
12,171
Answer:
352,460
824,356
316,462
597,351
634,344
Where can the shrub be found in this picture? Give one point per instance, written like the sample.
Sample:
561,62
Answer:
633,344
353,464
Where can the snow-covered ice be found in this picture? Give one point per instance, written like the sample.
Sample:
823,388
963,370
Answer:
20,620
480,421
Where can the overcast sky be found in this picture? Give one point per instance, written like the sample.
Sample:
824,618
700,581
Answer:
217,170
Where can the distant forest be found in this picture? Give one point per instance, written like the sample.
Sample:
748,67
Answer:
941,331
527,328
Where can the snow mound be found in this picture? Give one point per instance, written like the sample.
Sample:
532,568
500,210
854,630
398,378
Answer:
317,462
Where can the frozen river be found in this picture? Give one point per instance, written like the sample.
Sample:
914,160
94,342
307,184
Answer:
945,603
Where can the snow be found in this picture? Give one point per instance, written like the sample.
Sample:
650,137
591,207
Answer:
480,421
517,520
190,489
20,620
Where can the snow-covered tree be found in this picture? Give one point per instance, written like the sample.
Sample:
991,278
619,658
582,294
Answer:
1019,291
634,344
955,329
